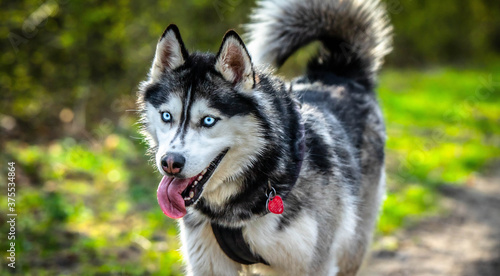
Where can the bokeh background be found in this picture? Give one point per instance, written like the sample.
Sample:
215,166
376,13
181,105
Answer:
86,193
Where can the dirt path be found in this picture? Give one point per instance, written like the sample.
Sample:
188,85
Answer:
464,242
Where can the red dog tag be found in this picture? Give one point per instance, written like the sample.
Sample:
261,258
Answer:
275,205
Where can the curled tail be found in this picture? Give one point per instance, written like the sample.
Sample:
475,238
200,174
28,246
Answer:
356,35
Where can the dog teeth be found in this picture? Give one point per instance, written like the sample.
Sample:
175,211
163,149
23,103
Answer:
200,177
187,198
191,194
195,183
204,171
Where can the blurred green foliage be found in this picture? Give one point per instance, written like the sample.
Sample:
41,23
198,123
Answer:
88,56
89,208
459,32
443,125
85,190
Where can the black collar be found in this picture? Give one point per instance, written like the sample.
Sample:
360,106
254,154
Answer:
231,240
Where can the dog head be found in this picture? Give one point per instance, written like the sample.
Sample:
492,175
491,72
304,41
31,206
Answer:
200,117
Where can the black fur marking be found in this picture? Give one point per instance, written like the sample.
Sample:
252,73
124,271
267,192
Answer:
352,175
241,207
350,104
316,148
225,99
233,104
292,210
184,119
341,59
156,95
187,110
345,99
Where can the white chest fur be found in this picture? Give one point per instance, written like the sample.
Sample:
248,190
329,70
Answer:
290,250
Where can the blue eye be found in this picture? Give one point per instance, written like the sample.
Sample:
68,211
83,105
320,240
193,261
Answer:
208,121
166,117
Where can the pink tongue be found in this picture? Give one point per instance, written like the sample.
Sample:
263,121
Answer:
170,198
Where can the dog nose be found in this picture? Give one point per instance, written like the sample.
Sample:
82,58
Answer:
172,163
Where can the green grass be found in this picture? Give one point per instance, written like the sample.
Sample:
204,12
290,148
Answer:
89,207
442,126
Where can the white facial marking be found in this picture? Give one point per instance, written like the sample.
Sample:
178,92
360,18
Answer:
164,132
201,145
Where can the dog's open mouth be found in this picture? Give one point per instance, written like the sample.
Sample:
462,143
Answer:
175,194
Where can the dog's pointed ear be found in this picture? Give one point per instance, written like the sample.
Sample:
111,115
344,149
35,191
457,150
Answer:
170,52
234,63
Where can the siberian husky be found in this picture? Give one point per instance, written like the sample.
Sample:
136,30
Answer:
267,176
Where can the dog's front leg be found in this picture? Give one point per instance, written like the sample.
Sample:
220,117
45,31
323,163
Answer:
201,251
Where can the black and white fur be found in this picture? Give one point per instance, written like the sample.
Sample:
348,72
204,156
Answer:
331,209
